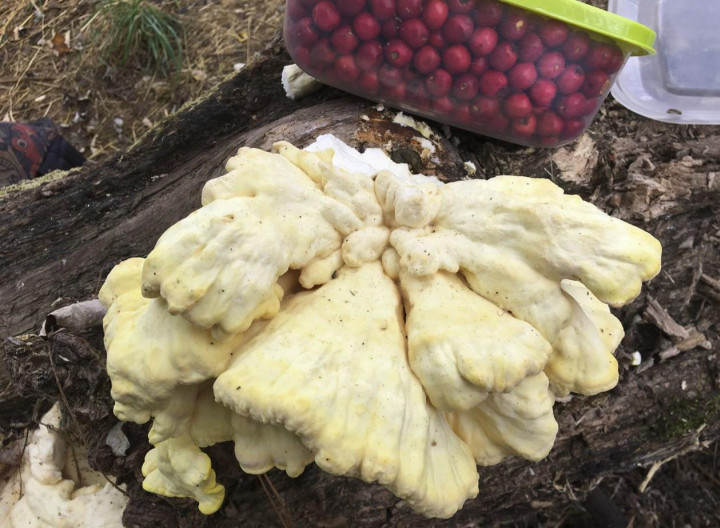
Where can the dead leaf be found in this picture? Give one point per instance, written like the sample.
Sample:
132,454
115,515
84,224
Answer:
60,44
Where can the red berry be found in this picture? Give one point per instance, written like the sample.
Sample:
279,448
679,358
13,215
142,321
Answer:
346,69
573,128
382,9
517,105
498,123
616,61
417,94
524,126
350,8
553,32
596,83
465,87
530,48
461,6
503,56
304,32
309,3
322,53
456,59
543,92
301,55
479,65
409,8
439,83
435,14
366,26
484,108
414,32
551,65
492,83
369,55
326,16
389,29
426,60
570,106
457,29
436,40
369,82
576,46
592,105
398,53
604,56
571,79
549,141
443,105
482,41
462,113
396,93
344,40
389,76
488,13
549,124
514,25
522,76
296,11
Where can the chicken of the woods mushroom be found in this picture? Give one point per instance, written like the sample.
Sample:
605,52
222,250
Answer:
329,306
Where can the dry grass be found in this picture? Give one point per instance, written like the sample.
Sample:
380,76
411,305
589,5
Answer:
52,66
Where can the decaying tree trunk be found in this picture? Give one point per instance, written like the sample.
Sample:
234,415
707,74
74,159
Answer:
60,236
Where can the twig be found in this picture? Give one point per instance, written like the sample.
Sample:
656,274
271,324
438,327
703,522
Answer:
276,501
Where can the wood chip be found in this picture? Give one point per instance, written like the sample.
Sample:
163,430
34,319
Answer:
657,315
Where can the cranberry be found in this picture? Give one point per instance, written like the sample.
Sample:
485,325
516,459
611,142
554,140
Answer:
409,8
461,6
443,105
600,55
572,105
439,83
436,40
543,92
389,29
549,124
369,82
305,32
524,126
596,83
398,53
322,53
435,14
573,128
576,46
462,113
514,25
326,16
503,56
413,32
484,108
571,79
301,54
396,93
426,60
296,11
522,76
389,76
551,65
344,40
530,48
488,13
309,3
479,65
482,41
517,105
350,8
346,69
549,141
456,59
492,83
592,105
417,94
616,61
553,32
498,123
366,26
369,55
457,29
382,9
465,87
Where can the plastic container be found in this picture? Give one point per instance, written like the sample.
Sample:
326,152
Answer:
681,84
533,72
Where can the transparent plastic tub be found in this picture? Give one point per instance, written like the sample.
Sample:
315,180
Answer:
681,84
532,72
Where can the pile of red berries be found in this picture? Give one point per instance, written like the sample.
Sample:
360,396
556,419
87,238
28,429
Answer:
479,64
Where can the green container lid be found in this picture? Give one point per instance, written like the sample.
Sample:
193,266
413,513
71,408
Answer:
631,36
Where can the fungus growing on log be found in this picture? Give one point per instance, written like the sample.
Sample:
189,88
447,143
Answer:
331,307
